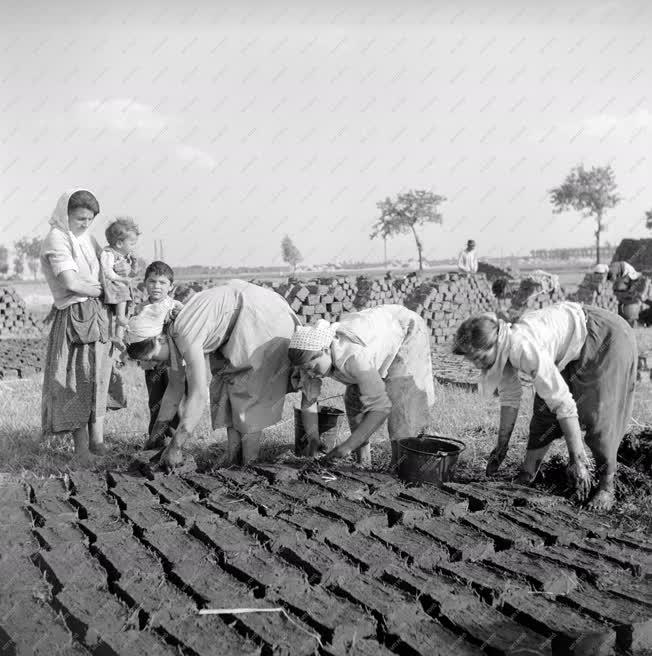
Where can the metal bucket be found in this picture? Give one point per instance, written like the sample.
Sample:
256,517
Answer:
428,459
330,421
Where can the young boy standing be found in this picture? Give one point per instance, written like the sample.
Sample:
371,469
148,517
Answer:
159,279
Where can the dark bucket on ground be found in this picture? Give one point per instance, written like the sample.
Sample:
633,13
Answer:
428,459
331,423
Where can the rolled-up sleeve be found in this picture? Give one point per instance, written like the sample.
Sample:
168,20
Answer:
373,393
57,251
510,389
548,382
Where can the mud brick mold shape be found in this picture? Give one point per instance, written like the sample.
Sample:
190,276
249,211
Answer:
398,511
314,525
257,568
223,536
366,552
357,516
506,534
414,546
53,535
71,565
636,560
231,505
172,489
189,512
545,524
345,488
463,542
240,478
442,503
202,634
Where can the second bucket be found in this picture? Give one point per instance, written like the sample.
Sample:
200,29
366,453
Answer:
331,424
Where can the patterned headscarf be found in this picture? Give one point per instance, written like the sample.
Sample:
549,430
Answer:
313,338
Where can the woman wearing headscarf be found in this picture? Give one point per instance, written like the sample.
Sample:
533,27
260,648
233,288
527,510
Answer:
245,331
78,362
630,288
582,363
382,355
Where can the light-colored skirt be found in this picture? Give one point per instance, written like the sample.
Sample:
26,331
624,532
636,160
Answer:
75,381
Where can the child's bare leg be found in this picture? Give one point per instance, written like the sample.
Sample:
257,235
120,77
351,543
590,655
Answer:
234,447
121,314
250,447
96,437
82,452
605,462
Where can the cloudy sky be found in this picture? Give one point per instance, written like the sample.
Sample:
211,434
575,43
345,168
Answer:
221,127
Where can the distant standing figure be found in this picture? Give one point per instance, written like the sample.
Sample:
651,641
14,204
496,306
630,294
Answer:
468,259
627,287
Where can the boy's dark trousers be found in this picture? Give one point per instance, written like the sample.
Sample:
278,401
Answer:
156,381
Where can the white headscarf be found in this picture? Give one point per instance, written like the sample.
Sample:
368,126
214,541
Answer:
320,336
80,247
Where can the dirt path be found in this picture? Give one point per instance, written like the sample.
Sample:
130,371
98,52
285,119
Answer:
360,565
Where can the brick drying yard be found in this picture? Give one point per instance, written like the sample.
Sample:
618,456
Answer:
359,563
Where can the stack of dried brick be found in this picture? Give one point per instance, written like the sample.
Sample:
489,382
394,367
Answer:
15,319
536,291
444,301
596,290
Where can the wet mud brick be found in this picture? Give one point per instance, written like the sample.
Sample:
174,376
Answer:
155,596
415,546
572,632
632,621
52,510
463,542
85,483
95,527
130,490
357,516
52,535
269,502
505,534
128,643
625,585
71,565
366,552
172,489
19,576
14,494
240,478
268,531
337,620
223,536
280,636
549,527
588,565
397,510
302,492
637,540
489,584
365,647
29,626
230,505
204,634
315,559
258,568
533,568
277,473
121,554
91,613
145,518
519,495
634,559
346,488
315,525
375,481
188,512
442,503
204,483
590,523
15,517
49,488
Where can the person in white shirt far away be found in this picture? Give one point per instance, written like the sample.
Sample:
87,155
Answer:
468,259
582,363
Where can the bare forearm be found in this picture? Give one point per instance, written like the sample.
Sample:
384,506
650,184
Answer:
508,418
83,288
368,426
570,426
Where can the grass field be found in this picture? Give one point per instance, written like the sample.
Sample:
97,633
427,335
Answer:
457,413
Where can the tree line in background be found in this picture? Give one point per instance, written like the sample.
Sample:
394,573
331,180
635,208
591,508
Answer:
592,192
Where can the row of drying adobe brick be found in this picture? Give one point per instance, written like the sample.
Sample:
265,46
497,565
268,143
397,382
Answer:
15,319
20,358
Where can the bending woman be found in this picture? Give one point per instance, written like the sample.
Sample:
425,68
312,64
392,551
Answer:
245,330
382,355
78,361
582,362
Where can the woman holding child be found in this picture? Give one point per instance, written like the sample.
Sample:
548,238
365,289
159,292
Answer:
245,331
78,362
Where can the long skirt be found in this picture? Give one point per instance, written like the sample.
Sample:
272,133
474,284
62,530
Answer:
75,381
602,383
409,385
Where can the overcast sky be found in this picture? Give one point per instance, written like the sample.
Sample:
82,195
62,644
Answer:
224,127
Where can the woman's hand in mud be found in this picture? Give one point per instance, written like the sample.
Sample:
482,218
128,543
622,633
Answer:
335,454
496,458
580,479
172,457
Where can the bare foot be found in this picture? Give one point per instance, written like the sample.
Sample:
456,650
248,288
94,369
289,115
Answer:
82,460
156,442
98,448
602,501
525,478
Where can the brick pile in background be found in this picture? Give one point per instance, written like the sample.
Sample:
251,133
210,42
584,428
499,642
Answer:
536,292
596,290
15,319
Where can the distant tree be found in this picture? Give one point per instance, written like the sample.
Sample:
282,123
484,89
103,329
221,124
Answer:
30,250
648,219
4,260
404,213
291,254
590,192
